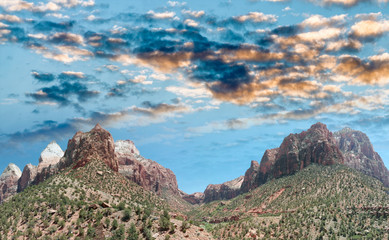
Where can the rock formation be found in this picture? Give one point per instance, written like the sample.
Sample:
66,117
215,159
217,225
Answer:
359,154
223,191
28,176
47,166
97,144
9,181
145,172
297,151
194,198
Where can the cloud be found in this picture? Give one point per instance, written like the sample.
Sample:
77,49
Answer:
10,18
256,17
369,29
345,3
374,71
61,94
43,77
66,38
160,108
195,14
55,5
318,21
161,15
189,92
49,26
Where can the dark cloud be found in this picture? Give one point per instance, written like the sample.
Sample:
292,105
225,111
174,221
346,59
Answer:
66,38
153,109
46,26
222,76
286,30
43,77
62,94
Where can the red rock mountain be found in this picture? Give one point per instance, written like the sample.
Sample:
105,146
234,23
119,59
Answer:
48,166
359,154
297,151
225,190
9,181
145,172
85,147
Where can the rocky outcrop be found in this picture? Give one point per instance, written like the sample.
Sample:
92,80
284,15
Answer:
359,154
297,151
97,144
28,176
194,198
145,172
50,155
9,181
223,191
47,167
250,177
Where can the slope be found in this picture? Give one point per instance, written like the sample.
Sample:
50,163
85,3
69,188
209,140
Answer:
91,202
330,202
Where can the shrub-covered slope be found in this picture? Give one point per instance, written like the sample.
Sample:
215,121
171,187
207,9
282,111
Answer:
318,202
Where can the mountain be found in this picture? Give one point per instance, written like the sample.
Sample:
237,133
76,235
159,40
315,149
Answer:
317,202
315,185
8,181
359,154
225,190
47,166
86,196
297,151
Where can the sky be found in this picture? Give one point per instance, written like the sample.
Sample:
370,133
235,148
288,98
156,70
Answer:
201,87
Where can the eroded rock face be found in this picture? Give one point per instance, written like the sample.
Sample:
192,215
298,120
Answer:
223,191
9,181
28,176
48,166
85,147
194,198
297,151
359,154
145,172
250,177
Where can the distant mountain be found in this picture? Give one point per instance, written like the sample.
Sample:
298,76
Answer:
317,202
297,151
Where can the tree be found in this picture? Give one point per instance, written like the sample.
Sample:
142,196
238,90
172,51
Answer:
115,224
164,221
126,215
132,233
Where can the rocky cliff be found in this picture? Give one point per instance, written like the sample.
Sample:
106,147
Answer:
145,172
222,191
297,151
47,166
96,144
359,154
9,181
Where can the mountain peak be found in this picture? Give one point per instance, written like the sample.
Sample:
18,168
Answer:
97,127
11,169
51,154
84,147
318,125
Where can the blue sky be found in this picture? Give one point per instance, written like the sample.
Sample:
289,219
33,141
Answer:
202,87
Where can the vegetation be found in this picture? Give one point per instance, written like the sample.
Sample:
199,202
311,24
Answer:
333,202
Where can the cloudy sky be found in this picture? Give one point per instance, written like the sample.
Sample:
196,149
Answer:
202,87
